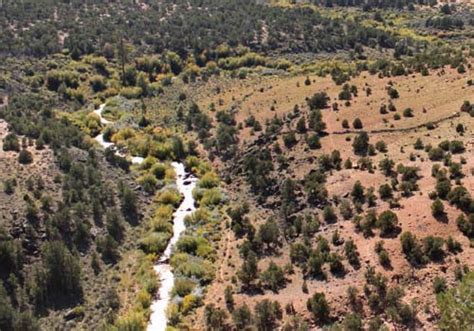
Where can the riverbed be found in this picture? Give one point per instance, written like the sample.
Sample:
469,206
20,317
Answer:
185,183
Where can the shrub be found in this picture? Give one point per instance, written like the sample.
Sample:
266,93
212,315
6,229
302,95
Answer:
329,215
408,112
183,287
418,144
436,154
466,106
25,157
444,145
455,305
11,143
273,278
393,93
456,147
131,321
301,125
242,317
353,322
453,245
433,248
209,180
211,197
381,146
315,121
318,101
155,242
460,197
437,208
157,169
169,196
357,192
229,297
357,124
350,249
97,83
319,307
148,182
55,78
9,186
385,192
214,317
190,266
360,144
161,219
269,233
345,209
387,223
412,249
289,139
439,285
443,187
466,226
384,258
315,266
335,264
266,314
131,92
386,166
313,141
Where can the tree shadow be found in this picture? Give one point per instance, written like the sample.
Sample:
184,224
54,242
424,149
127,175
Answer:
392,234
443,218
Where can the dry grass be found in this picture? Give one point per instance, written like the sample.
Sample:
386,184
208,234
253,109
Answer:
440,94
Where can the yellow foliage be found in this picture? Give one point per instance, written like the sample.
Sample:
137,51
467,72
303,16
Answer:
190,301
144,299
123,134
131,321
170,174
172,312
211,197
148,163
168,197
209,180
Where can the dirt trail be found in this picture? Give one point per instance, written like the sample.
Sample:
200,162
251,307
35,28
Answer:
408,129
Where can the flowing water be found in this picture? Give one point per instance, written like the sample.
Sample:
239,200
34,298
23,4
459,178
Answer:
185,183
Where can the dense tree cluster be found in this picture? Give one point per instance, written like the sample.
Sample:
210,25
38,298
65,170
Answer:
375,4
215,22
65,222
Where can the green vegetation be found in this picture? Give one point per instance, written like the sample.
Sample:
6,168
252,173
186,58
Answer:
78,241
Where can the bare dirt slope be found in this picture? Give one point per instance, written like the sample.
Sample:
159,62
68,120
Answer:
433,98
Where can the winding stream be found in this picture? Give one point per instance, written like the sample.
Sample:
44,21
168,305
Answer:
185,183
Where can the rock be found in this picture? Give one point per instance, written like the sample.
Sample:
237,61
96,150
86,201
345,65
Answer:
74,313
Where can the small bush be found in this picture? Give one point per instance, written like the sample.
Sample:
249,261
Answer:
439,285
25,157
154,243
170,196
357,124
